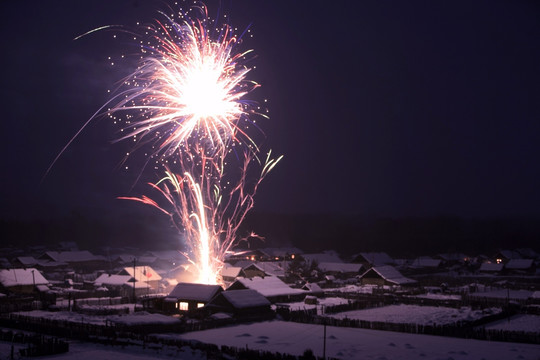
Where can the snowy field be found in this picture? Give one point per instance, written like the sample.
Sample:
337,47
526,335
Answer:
87,351
330,301
349,343
415,314
137,318
528,323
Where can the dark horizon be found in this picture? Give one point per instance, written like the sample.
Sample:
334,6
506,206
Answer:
416,110
404,237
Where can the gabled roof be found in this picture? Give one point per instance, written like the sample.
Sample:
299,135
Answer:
509,254
491,267
270,267
376,258
313,288
267,286
27,260
15,277
426,262
325,256
241,299
388,273
453,256
72,256
231,271
340,267
169,255
195,292
116,280
519,264
141,273
528,253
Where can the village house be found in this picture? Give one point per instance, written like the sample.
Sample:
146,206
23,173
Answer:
121,285
325,256
505,256
491,268
369,259
22,281
424,265
340,270
280,254
230,273
78,260
188,296
314,289
143,274
270,287
384,275
242,304
520,266
245,254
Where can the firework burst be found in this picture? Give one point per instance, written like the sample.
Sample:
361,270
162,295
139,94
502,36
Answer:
187,100
188,90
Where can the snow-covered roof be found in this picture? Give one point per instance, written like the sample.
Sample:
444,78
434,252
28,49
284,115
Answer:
491,267
271,268
141,273
231,271
268,286
195,292
125,258
510,254
340,267
325,256
115,280
390,274
27,260
169,255
14,277
519,264
376,258
426,262
453,256
241,299
72,256
313,288
528,253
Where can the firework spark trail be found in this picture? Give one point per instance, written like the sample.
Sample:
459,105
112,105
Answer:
209,223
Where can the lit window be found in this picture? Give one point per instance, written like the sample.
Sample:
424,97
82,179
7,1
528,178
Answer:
183,306
200,305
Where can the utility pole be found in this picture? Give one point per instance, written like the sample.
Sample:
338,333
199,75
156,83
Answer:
134,279
324,343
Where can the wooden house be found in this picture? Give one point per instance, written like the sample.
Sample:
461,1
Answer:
243,304
384,275
188,296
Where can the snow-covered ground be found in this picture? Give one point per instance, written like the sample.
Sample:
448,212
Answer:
349,343
527,323
415,314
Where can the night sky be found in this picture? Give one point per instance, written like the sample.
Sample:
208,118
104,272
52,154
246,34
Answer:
380,108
